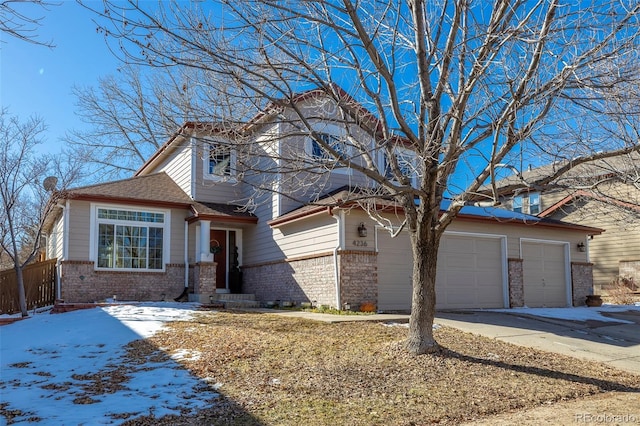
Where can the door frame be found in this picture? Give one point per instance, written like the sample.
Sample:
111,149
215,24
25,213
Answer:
238,232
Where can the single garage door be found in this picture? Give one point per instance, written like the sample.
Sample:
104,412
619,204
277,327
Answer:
470,272
544,274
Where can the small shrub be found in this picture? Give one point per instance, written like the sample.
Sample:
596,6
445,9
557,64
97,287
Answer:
620,290
368,307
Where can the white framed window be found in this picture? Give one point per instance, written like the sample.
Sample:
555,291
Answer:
407,163
219,162
124,239
336,143
332,136
534,203
516,204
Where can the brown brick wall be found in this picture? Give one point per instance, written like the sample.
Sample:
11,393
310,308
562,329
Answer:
80,283
312,279
516,283
296,280
204,278
581,282
358,278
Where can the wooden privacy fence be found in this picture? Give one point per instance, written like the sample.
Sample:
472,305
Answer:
39,287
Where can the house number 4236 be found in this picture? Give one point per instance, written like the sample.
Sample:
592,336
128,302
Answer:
360,243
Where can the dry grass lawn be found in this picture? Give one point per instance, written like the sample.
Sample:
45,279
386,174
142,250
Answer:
273,370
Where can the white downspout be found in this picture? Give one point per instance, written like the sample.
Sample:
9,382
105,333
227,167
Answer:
186,254
340,227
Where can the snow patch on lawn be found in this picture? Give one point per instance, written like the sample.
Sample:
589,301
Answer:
56,367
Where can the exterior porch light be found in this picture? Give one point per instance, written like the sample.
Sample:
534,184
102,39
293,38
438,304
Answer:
581,247
362,230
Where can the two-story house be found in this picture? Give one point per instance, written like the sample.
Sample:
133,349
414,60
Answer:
191,221
603,194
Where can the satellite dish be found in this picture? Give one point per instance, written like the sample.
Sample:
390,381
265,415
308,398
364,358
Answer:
50,183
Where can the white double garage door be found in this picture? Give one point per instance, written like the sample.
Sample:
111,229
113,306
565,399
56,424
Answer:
472,272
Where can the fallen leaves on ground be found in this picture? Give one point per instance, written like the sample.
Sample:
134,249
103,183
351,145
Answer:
274,370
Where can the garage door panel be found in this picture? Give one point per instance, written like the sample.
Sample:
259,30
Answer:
394,272
544,274
469,272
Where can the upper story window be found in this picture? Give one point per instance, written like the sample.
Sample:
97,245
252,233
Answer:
534,203
337,143
516,204
130,239
407,165
220,162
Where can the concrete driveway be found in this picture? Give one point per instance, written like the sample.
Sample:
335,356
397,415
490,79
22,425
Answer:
615,343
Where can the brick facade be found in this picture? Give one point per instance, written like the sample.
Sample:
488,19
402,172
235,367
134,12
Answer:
581,282
312,279
516,283
81,283
203,278
309,279
358,277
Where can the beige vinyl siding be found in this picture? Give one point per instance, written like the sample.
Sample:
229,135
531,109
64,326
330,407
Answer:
352,240
210,190
176,254
297,145
178,167
80,223
309,237
261,246
55,242
620,241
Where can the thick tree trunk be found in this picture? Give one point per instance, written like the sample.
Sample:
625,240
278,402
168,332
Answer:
425,260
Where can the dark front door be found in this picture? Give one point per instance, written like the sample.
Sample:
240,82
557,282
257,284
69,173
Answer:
218,241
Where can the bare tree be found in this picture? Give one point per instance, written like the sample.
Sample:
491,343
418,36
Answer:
467,86
17,19
25,201
132,113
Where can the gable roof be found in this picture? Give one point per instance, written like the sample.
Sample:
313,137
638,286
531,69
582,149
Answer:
340,199
157,190
361,116
186,130
593,170
586,194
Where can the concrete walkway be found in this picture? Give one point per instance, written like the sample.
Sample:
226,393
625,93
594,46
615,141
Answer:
614,343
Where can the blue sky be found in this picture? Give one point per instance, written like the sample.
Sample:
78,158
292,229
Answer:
36,80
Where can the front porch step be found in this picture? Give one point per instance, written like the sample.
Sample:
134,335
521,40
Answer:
236,301
223,297
241,304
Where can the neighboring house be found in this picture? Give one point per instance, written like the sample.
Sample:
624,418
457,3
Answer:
177,225
603,194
